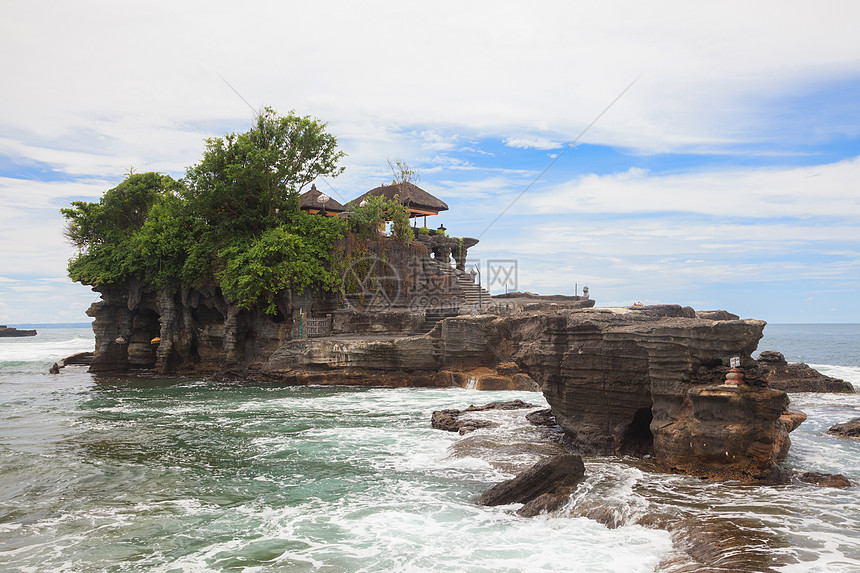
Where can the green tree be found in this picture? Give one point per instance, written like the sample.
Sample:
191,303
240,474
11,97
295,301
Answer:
246,181
119,212
233,220
295,255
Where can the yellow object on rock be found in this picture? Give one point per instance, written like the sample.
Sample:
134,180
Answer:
155,340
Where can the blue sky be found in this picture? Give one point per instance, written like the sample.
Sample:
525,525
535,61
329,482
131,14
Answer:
725,177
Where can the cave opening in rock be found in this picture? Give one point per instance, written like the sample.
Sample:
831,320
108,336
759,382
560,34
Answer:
146,326
638,438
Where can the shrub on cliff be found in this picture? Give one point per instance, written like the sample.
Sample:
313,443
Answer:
366,218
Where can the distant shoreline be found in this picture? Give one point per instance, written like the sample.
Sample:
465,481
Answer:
25,325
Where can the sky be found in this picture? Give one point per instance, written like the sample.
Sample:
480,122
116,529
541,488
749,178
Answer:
670,152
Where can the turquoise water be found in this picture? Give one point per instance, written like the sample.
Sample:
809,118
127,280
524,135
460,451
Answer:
149,474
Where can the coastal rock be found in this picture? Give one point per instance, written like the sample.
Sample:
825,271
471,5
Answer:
849,429
797,377
650,380
543,487
12,332
80,358
640,380
825,480
542,418
450,419
716,315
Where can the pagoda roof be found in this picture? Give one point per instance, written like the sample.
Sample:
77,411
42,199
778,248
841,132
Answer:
310,200
413,197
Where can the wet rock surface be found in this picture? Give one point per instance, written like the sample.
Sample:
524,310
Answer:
542,488
849,429
825,480
542,418
450,420
797,377
80,358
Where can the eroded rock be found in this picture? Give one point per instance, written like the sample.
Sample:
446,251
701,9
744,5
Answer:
450,419
849,429
543,487
825,480
797,377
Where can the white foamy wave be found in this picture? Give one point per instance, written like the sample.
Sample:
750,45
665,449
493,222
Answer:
848,373
47,351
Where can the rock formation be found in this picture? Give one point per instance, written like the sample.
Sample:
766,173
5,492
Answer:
80,358
450,420
797,377
10,332
640,380
849,429
542,488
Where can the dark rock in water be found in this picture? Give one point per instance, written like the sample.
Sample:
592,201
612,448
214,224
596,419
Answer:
797,377
849,429
82,358
449,420
543,487
547,502
542,418
511,405
825,480
11,332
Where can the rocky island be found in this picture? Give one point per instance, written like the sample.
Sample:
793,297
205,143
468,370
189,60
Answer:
10,332
242,276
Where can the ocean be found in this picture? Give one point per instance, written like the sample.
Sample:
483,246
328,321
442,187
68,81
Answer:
179,474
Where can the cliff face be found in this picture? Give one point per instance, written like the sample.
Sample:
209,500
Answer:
188,331
637,380
652,380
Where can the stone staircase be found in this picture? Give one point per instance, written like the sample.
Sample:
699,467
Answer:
466,295
474,297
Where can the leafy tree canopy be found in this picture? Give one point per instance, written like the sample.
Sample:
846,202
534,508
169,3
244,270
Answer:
245,180
121,210
233,220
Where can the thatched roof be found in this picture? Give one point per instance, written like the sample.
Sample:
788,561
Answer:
310,200
410,194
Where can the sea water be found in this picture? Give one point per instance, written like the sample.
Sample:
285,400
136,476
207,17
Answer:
181,474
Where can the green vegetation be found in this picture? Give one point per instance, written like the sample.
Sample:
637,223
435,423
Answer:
366,218
233,220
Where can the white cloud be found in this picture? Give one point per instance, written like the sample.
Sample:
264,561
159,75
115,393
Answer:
500,66
532,142
740,193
